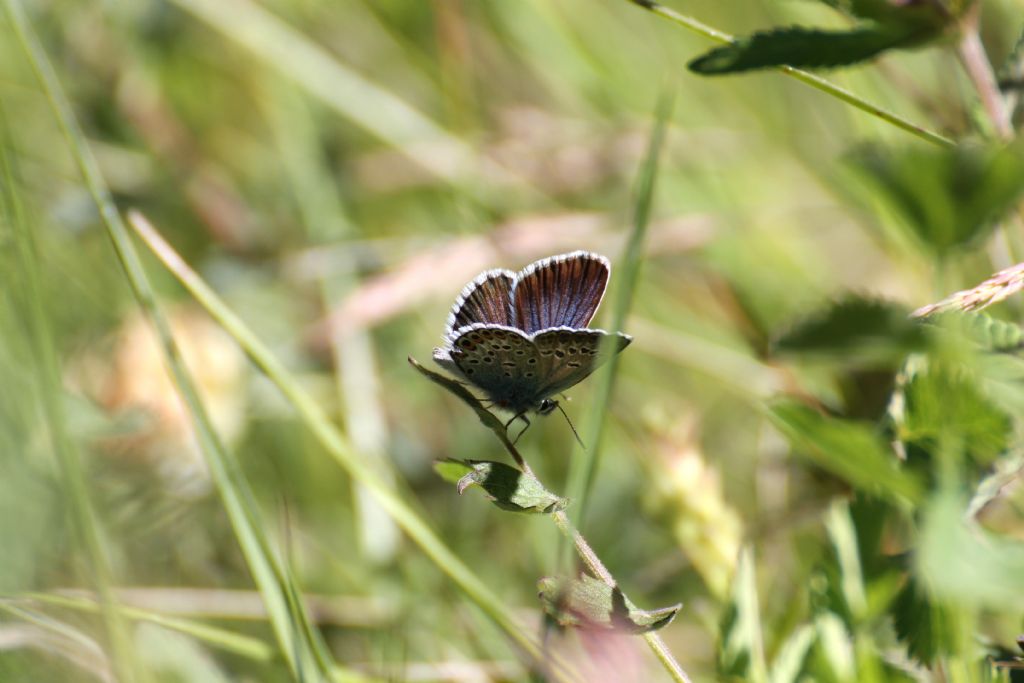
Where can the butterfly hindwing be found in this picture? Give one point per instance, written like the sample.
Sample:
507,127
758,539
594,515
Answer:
567,356
500,360
561,291
487,299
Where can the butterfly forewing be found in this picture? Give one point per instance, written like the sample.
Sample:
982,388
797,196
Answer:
567,356
487,299
562,291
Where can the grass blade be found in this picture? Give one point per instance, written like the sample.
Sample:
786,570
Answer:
581,479
73,477
305,655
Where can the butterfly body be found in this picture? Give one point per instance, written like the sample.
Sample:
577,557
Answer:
522,337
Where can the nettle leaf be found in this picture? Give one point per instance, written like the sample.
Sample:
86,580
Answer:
590,602
506,486
804,48
946,198
857,329
944,403
850,450
981,329
923,625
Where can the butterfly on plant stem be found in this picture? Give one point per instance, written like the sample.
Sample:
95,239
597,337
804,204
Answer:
522,338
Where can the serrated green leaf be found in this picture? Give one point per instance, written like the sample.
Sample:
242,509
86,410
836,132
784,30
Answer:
946,198
804,48
981,329
850,450
922,624
857,329
507,487
590,602
945,403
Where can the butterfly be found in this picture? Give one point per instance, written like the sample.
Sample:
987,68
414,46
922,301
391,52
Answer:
522,338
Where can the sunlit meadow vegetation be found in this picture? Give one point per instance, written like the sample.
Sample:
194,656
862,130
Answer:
226,225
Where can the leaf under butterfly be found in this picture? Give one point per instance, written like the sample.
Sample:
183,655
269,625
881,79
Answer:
589,602
507,487
486,417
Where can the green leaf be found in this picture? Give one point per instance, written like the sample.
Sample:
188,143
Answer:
506,486
946,198
588,601
458,389
789,663
981,329
943,404
964,564
922,624
849,450
857,329
835,646
804,48
740,648
452,470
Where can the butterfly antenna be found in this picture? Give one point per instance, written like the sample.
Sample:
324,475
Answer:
571,426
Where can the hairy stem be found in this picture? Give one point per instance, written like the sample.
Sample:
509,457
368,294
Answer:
583,549
979,70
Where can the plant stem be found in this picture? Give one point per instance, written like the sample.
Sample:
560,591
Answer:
597,568
589,557
799,74
979,70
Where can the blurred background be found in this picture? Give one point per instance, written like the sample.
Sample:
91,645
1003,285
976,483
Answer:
336,172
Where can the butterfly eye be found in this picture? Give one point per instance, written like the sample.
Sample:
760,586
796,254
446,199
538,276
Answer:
546,406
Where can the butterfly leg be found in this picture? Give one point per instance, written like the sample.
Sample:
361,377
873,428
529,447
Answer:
524,419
